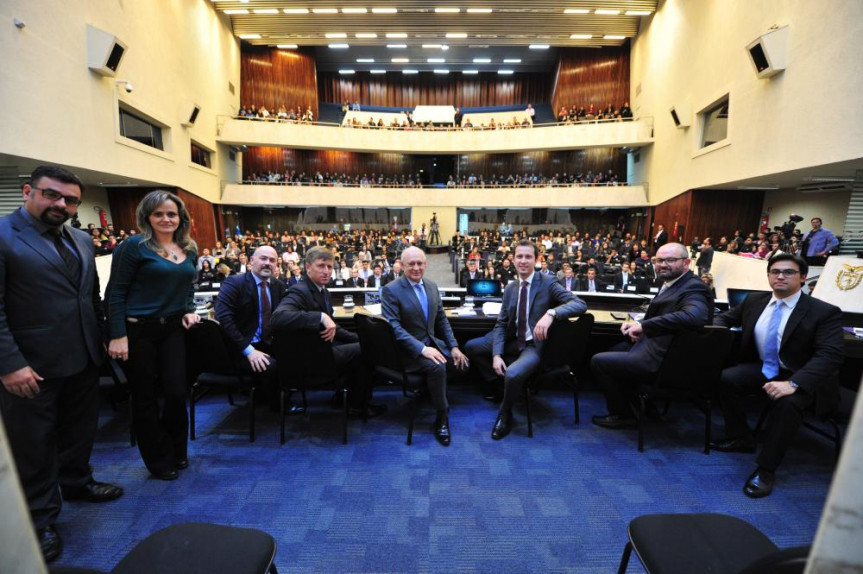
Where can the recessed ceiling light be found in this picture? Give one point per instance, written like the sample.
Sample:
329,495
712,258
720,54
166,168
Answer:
512,60
607,12
235,11
447,10
436,60
580,36
614,37
400,60
397,46
335,35
470,72
505,72
576,11
378,71
441,71
638,12
296,10
354,11
384,10
396,35
249,36
365,60
366,35
433,46
286,46
340,46
410,72
456,35
538,46
266,11
325,10
444,47
346,72
479,10
482,60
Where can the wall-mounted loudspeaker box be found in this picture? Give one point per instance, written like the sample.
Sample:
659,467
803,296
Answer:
681,115
189,114
769,53
104,51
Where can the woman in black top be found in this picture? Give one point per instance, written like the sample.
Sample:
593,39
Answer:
206,274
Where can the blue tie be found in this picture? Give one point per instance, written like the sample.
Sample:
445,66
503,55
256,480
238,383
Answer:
424,302
770,368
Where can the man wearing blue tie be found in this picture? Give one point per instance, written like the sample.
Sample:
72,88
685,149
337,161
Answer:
414,308
791,351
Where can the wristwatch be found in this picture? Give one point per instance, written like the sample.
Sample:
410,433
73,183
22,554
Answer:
793,384
552,312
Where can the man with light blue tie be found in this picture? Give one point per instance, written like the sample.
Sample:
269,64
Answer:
413,307
791,351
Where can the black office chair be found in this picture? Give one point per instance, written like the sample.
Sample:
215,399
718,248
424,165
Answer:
564,351
715,543
690,372
306,362
381,352
212,362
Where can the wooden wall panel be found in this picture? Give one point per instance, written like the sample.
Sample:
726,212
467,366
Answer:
671,213
203,220
587,76
273,77
545,163
718,212
398,90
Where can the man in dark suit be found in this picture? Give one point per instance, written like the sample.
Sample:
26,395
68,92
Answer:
791,351
307,307
355,280
569,280
51,346
661,237
376,279
590,283
414,308
244,310
684,303
395,272
513,349
469,272
624,278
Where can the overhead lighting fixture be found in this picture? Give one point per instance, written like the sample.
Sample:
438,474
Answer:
340,46
433,46
409,72
235,11
539,46
366,35
576,11
377,71
504,72
354,11
444,47
346,72
479,10
512,60
400,60
287,46
441,71
436,60
614,37
335,35
365,60
482,60
384,10
638,12
606,12
325,10
397,46
250,36
266,11
296,10
580,36
757,187
456,35
470,72
447,10
396,35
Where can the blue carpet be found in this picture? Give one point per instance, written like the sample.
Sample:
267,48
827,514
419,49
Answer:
559,502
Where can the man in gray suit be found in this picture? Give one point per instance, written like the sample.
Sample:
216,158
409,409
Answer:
513,349
51,347
414,308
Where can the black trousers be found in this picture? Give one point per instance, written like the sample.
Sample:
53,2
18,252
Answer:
618,375
520,365
349,361
157,359
736,387
52,436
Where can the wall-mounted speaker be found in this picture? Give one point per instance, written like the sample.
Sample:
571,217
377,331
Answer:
769,53
104,51
681,115
190,115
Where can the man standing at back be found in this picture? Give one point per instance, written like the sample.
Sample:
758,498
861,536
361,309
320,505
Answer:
513,349
414,308
683,304
51,347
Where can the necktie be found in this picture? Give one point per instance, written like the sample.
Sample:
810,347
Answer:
266,310
70,262
521,331
770,368
424,302
326,297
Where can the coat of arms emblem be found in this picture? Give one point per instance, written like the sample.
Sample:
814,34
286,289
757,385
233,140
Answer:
849,277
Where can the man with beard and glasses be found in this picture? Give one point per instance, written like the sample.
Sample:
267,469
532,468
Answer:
51,346
684,303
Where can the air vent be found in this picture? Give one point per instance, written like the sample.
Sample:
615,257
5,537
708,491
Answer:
824,187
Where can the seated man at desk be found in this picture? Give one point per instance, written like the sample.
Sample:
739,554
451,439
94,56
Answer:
414,308
591,283
623,279
683,304
355,281
376,279
569,281
513,349
469,272
791,351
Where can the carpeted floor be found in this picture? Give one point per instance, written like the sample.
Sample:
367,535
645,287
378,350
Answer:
559,502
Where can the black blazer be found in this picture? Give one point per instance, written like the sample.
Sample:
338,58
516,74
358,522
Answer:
237,307
573,284
301,309
584,285
811,348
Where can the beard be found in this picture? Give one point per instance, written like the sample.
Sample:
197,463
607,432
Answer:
54,217
671,274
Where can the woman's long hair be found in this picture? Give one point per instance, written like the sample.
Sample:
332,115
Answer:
182,235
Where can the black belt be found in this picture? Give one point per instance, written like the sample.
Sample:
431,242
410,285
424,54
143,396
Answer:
152,320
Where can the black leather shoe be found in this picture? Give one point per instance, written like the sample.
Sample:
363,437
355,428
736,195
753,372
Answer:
760,483
93,491
337,402
502,426
742,444
614,421
293,409
50,543
373,410
166,475
441,430
181,463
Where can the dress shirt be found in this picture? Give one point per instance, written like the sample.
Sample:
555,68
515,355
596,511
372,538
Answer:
788,305
821,240
529,281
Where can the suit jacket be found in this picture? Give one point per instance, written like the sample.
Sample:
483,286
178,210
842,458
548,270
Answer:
660,239
685,306
618,281
464,276
370,282
301,308
402,309
811,347
355,282
41,307
584,284
545,293
573,284
237,306
390,277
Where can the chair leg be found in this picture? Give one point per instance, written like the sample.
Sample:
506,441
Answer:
624,560
231,398
252,414
575,404
282,399
708,426
192,412
132,440
414,408
272,569
347,408
837,438
527,409
641,407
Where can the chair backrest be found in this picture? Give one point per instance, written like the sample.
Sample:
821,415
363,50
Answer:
207,351
695,358
567,342
378,343
786,561
303,356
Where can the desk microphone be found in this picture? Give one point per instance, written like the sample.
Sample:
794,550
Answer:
645,303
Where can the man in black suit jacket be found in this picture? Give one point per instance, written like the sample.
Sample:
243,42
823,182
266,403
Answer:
591,283
791,351
513,350
623,279
683,304
661,237
51,346
469,272
355,280
395,272
569,280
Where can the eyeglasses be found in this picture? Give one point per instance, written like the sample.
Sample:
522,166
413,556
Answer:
783,272
54,195
669,260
